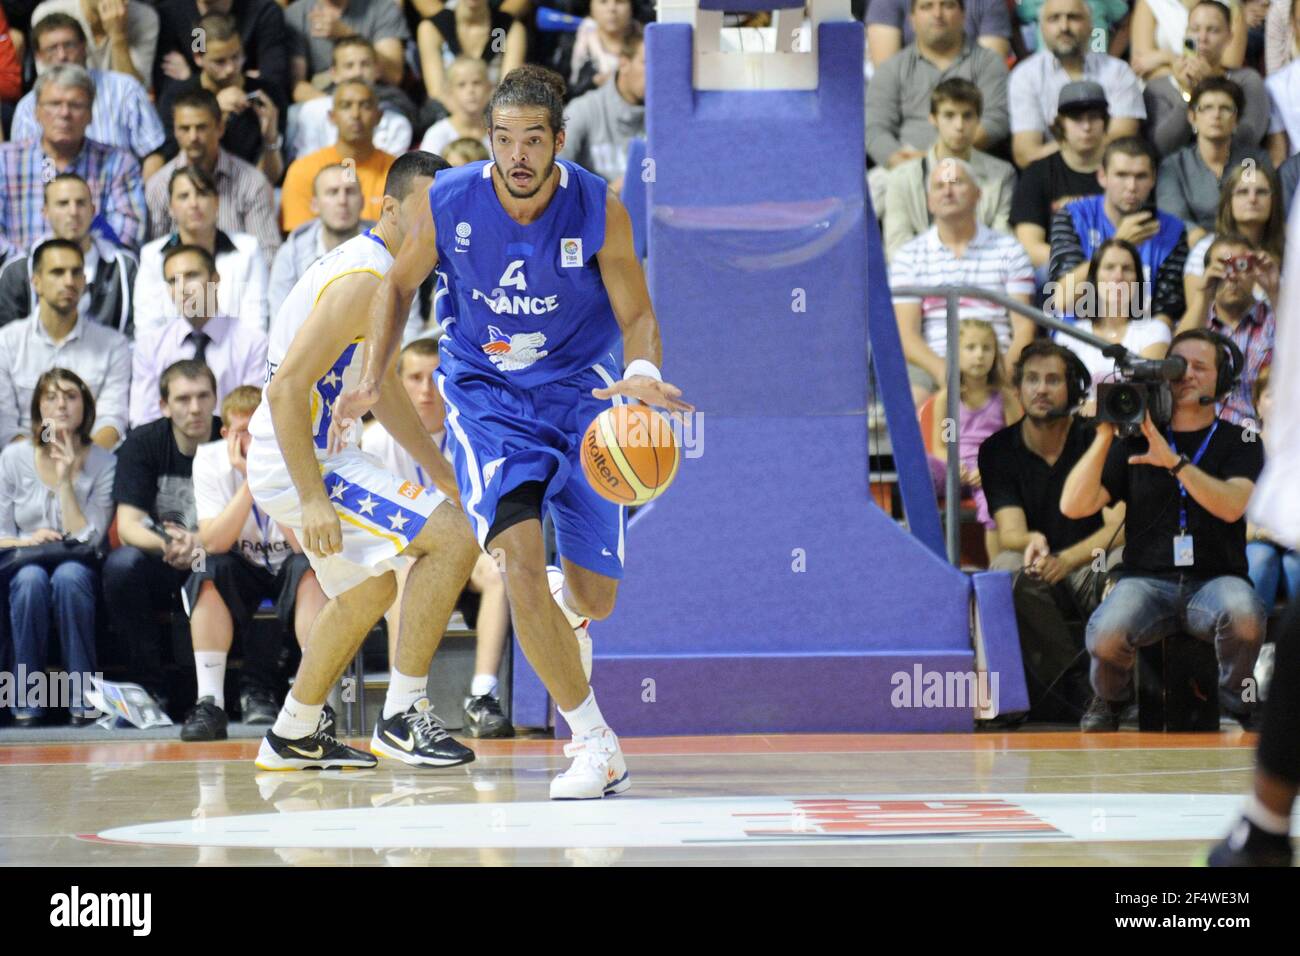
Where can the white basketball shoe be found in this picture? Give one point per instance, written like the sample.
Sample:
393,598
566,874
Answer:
580,625
598,768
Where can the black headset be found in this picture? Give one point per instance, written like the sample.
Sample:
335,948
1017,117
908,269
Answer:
1231,362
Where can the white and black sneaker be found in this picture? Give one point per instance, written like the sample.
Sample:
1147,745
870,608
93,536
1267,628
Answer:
316,751
418,738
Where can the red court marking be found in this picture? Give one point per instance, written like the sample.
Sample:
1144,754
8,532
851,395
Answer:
164,751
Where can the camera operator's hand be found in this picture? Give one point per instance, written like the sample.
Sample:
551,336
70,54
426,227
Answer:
1138,227
1158,453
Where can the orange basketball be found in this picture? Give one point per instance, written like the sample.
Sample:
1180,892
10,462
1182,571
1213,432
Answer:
630,454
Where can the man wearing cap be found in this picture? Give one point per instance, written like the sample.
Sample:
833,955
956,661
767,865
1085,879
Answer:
1037,81
1048,184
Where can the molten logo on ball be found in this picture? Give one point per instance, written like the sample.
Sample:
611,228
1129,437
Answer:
630,454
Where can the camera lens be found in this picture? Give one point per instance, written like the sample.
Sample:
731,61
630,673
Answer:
1123,402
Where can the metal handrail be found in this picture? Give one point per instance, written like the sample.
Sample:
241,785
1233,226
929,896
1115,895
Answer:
952,373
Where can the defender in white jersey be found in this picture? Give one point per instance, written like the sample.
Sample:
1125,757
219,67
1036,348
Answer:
357,522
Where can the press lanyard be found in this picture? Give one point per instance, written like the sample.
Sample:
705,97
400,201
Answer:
262,522
1194,460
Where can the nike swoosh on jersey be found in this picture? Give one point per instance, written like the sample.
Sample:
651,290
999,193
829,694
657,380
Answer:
309,754
408,745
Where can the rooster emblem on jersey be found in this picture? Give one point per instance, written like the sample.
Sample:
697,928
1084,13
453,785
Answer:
513,352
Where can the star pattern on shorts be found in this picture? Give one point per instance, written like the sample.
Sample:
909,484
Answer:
398,521
336,493
332,379
367,505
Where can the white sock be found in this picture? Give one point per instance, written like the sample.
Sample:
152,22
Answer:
210,666
297,720
1264,818
586,718
403,692
483,684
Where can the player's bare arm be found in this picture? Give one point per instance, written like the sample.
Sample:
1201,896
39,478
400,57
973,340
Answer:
338,319
625,285
387,311
396,413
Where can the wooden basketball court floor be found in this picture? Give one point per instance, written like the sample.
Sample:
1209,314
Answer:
1003,799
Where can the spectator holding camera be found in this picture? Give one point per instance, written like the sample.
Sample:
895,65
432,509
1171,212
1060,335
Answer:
1191,180
1057,586
1249,206
58,487
1233,270
1186,485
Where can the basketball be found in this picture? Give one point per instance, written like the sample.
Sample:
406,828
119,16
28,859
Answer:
630,454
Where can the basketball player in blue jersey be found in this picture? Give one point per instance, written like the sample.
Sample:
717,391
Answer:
537,259
357,522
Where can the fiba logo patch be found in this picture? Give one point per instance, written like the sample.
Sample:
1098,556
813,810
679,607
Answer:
570,253
462,235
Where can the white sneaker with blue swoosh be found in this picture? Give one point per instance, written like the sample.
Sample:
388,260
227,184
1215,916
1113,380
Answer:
418,738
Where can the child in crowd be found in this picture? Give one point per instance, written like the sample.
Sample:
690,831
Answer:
988,404
468,90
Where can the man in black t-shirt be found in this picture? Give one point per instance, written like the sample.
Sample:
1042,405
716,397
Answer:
156,520
1047,184
1058,577
1185,558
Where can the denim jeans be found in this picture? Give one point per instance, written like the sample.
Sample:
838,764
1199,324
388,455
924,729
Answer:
1142,611
70,592
1269,565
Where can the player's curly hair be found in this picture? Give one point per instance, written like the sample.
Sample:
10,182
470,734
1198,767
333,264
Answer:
530,85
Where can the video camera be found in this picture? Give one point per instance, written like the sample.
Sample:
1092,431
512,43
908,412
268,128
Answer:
1143,387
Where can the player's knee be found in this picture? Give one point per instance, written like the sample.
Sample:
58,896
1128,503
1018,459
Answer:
209,596
596,605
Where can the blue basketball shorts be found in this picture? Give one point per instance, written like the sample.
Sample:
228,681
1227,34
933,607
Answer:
501,436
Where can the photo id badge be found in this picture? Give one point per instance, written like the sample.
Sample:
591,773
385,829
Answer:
1184,555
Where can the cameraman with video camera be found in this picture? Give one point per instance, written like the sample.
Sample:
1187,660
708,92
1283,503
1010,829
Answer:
1186,484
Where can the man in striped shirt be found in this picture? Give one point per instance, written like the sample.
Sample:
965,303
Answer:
122,117
64,98
957,250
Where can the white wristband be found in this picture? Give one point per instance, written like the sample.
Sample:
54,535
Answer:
642,367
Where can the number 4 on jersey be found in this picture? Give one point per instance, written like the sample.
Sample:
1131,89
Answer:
514,276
